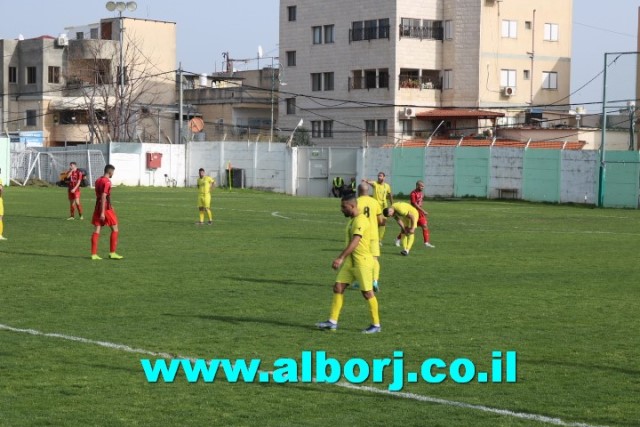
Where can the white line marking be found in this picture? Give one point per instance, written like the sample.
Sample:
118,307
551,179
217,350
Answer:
277,215
411,396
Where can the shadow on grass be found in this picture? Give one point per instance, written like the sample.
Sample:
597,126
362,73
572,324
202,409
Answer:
30,254
236,320
287,282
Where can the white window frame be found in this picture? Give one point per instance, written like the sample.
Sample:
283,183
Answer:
447,79
550,80
551,32
508,78
448,29
509,29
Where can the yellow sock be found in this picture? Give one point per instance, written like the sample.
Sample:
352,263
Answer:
405,242
376,269
373,309
381,230
1,227
201,216
210,214
410,240
336,306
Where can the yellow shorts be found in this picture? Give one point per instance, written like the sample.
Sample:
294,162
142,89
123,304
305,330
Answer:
374,247
204,201
1,207
363,274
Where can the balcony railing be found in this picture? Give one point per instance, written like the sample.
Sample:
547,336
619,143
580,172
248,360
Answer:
422,33
373,33
415,82
373,82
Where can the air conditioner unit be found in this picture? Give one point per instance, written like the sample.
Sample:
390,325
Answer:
62,40
409,112
509,91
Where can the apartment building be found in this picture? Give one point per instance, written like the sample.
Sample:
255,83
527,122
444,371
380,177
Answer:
377,72
65,90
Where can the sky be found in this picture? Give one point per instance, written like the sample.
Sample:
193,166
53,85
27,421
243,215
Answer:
206,29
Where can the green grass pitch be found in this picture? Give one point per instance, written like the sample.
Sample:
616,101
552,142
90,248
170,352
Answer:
557,284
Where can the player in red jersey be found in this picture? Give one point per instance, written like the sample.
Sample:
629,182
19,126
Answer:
75,176
416,201
104,215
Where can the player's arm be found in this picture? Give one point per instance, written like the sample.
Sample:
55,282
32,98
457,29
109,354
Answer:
103,204
355,240
213,184
414,220
1,190
390,196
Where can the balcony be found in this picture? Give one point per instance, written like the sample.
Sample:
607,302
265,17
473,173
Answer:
421,32
358,82
368,34
429,81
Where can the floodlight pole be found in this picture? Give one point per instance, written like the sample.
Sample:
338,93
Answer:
121,120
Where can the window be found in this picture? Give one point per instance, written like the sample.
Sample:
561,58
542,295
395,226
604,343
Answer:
291,12
407,127
328,81
316,82
382,127
13,75
527,25
54,75
507,78
526,75
291,105
383,78
79,35
370,79
316,129
509,29
551,32
120,77
371,29
31,119
549,80
327,129
357,31
328,33
370,127
291,58
31,75
317,35
447,79
448,30
94,33
383,28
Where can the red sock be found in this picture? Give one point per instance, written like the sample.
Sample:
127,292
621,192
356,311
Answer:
399,236
113,241
79,209
73,210
94,243
425,234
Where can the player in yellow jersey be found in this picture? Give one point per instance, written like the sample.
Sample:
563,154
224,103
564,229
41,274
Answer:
355,263
1,210
407,217
206,184
381,192
370,208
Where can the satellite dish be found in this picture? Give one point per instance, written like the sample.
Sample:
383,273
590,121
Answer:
121,6
260,52
132,6
111,6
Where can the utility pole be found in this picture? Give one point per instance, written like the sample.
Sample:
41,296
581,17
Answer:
181,104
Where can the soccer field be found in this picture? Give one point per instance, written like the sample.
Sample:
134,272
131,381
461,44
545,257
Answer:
558,285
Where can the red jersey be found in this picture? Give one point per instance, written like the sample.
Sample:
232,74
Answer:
103,186
416,198
74,178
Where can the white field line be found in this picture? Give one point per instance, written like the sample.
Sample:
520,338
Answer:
402,395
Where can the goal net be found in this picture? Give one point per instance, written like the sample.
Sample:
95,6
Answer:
49,165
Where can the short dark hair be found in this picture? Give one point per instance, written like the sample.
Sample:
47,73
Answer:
385,212
349,197
72,163
109,167
201,170
382,173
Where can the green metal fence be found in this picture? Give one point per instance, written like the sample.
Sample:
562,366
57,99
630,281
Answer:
541,175
621,179
471,171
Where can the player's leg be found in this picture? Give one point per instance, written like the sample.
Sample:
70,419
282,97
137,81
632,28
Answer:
345,276
364,274
207,201
2,227
382,228
79,205
72,206
95,237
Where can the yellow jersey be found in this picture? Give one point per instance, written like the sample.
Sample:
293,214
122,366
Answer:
380,192
369,207
403,209
204,184
359,226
